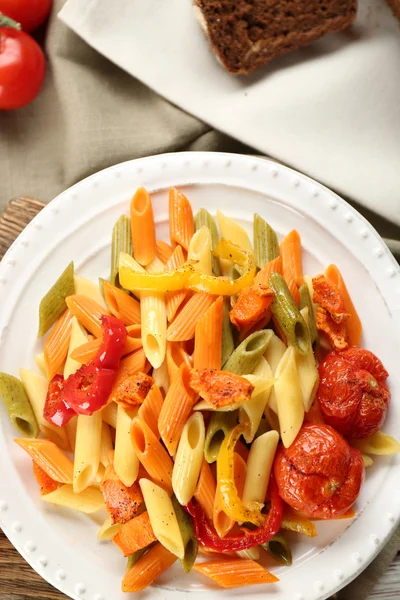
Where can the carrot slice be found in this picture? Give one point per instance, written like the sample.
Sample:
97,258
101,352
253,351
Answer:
336,332
354,326
327,295
122,502
132,390
220,388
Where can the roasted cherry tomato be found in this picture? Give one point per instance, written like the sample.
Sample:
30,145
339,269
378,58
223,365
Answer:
22,68
352,394
320,474
28,13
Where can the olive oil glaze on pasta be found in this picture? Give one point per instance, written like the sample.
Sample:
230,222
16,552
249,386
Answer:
201,396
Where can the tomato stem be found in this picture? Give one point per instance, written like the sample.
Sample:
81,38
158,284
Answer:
7,22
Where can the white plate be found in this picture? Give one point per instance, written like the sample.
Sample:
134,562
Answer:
61,546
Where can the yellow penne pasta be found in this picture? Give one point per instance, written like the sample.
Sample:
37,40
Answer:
154,327
251,412
188,459
85,287
232,231
70,429
109,414
308,372
87,450
49,457
89,501
273,354
162,517
78,337
200,251
36,388
108,530
41,363
379,443
251,553
289,398
367,460
106,445
126,463
161,378
259,465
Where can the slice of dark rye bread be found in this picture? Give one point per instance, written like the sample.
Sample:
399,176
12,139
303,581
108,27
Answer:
395,6
246,34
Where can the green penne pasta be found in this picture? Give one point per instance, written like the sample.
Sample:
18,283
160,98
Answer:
220,423
266,246
244,359
279,549
287,314
203,218
17,404
305,301
189,539
133,558
227,336
121,242
53,303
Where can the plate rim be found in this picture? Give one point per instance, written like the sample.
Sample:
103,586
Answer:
201,162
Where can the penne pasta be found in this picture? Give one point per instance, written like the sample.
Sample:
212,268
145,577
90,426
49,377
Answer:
85,287
150,566
245,357
259,465
184,325
307,371
173,300
131,364
273,354
87,450
109,414
126,462
121,304
266,246
176,356
235,572
52,305
162,517
106,444
204,219
200,251
78,337
135,535
154,327
163,251
367,460
188,459
306,302
292,520
36,388
121,242
160,376
18,406
176,409
251,412
208,338
152,454
232,231
378,444
87,312
227,336
181,225
219,425
88,501
190,542
57,343
151,408
142,227
291,258
108,530
206,489
40,363
289,397
70,429
49,457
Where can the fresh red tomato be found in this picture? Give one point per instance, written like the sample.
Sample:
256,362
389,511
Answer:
352,394
28,13
22,68
320,474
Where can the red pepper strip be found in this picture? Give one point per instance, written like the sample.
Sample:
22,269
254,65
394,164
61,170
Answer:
56,411
87,390
208,537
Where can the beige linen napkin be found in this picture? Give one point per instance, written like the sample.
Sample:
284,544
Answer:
91,115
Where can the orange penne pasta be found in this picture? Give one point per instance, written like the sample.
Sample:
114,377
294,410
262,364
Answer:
175,356
135,535
142,228
176,409
235,572
292,262
205,490
262,277
46,483
57,344
152,454
181,223
121,305
293,289
222,523
150,566
131,364
184,324
88,313
85,353
353,323
49,457
151,408
173,300
163,251
208,338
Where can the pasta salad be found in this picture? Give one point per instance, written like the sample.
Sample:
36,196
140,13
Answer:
209,395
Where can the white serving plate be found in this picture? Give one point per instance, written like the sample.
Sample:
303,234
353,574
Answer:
60,545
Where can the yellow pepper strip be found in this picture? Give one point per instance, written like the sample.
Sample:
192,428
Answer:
249,512
186,277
